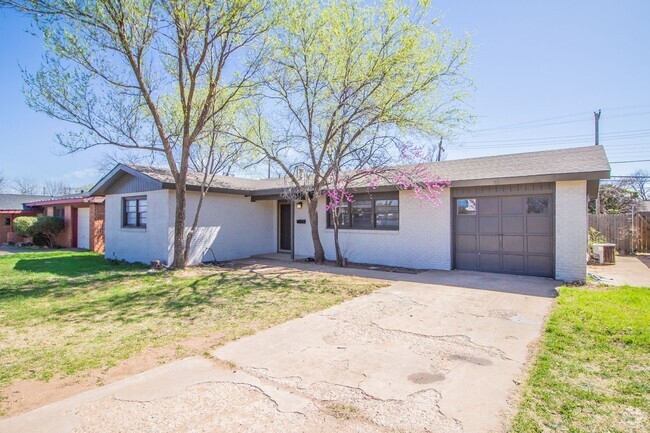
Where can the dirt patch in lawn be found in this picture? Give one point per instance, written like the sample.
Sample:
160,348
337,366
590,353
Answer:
25,395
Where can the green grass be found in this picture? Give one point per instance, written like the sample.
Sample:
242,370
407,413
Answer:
592,373
65,312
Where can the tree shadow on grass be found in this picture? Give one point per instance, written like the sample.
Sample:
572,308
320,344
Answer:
89,288
71,265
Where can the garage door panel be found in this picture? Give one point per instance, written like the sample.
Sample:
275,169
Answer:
488,243
512,205
466,224
539,245
488,206
514,263
539,265
489,262
539,224
466,243
467,261
513,244
488,224
512,224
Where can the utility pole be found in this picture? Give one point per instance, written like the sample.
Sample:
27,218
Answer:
440,149
596,121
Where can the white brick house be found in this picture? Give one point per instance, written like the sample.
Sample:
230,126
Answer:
523,214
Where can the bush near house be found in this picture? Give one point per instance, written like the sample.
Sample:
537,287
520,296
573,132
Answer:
44,227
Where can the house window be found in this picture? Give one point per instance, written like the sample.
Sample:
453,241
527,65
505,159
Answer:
537,205
369,212
466,206
7,221
59,212
134,212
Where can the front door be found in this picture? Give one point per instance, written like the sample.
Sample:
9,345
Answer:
284,236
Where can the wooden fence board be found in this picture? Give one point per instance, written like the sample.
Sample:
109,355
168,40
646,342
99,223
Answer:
628,235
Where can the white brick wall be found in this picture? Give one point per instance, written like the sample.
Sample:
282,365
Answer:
423,240
571,230
231,225
136,244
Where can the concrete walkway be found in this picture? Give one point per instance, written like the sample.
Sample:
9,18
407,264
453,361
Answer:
628,270
442,354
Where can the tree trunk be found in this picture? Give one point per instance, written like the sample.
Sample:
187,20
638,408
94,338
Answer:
179,226
337,247
319,253
195,223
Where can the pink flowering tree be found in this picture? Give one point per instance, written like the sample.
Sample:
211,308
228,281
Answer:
418,177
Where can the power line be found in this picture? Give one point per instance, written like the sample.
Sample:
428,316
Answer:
627,162
536,123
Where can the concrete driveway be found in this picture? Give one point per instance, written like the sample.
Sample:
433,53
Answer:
628,270
443,352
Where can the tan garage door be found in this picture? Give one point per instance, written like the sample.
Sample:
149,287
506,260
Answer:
509,234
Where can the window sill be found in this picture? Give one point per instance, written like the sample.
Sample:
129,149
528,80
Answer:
364,231
134,229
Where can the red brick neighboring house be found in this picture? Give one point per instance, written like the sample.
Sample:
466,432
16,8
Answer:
83,217
11,207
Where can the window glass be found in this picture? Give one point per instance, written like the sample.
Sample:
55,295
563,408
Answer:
537,205
466,206
59,212
367,212
386,213
344,215
362,214
135,212
7,221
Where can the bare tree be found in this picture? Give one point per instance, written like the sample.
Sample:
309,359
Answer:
144,75
2,182
25,185
128,157
639,182
346,86
56,188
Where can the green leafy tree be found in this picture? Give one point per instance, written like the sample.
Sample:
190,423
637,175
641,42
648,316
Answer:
347,86
145,75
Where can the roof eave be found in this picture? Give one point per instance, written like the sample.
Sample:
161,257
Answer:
591,175
112,176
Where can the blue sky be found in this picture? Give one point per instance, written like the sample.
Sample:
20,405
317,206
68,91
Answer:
543,67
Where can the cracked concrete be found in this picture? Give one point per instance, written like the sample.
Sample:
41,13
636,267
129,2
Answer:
431,354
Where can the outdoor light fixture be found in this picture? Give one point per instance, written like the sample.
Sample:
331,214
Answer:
299,205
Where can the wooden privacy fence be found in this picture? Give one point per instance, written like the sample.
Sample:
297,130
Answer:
629,234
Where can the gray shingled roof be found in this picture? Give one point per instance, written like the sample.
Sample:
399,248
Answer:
575,163
548,162
224,182
15,201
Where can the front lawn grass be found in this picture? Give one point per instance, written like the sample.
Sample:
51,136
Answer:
592,373
64,312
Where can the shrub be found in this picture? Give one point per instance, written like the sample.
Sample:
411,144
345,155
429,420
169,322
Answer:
24,226
595,237
43,227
